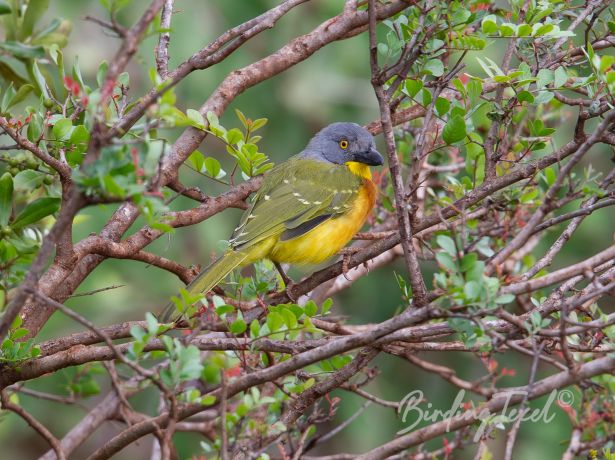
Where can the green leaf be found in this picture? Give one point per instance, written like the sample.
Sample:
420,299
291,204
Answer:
274,321
36,210
101,73
455,130
80,135
224,309
255,328
447,243
6,198
434,67
412,87
524,30
233,136
19,333
543,30
4,7
40,80
34,12
505,298
62,129
544,77
258,124
212,166
442,106
195,118
468,261
8,95
20,50
197,160
446,261
27,180
529,196
238,326
560,77
310,308
525,96
20,95
489,24
471,290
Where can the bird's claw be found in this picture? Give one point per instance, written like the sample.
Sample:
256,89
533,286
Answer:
346,254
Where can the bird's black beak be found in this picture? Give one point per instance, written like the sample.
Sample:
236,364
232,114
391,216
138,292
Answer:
371,157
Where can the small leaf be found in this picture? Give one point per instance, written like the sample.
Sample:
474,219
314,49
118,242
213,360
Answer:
20,50
80,135
196,119
36,210
455,130
489,24
6,198
238,326
62,129
34,12
20,95
27,180
446,261
102,72
233,136
212,166
412,87
434,67
447,243
197,160
505,298
442,106
4,7
40,80
560,77
471,290
258,124
525,96
543,30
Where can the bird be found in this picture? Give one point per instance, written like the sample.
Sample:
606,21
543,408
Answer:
307,209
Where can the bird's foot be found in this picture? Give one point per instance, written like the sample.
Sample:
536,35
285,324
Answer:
290,285
346,254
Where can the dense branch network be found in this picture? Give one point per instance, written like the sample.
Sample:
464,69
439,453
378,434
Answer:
529,311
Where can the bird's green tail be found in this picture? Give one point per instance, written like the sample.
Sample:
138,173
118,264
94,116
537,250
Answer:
208,279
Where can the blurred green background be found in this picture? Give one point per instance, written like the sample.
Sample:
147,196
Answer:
332,85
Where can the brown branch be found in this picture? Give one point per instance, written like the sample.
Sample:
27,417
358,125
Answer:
419,291
162,50
503,399
608,255
60,167
35,424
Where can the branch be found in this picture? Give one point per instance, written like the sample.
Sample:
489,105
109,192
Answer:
419,291
503,399
162,50
35,424
60,167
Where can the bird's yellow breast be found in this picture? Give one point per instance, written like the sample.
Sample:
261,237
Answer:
328,238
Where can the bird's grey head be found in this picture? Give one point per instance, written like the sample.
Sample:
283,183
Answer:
340,143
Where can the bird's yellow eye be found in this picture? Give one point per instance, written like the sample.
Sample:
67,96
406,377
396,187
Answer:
344,144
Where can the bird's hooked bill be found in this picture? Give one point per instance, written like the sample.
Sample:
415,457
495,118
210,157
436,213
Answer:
372,157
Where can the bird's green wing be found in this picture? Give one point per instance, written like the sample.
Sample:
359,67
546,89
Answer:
296,196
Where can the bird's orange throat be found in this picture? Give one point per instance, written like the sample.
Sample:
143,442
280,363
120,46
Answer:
368,189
